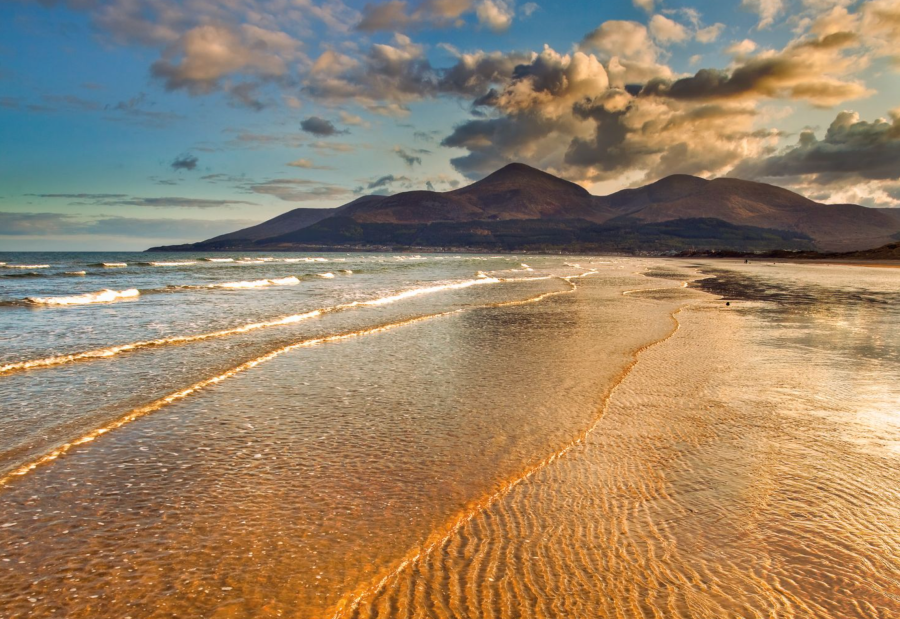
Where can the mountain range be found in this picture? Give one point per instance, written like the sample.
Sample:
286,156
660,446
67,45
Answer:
520,208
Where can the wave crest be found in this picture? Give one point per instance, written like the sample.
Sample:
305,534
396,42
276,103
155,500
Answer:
101,296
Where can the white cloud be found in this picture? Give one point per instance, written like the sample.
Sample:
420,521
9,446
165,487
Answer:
767,10
741,48
495,14
709,34
666,30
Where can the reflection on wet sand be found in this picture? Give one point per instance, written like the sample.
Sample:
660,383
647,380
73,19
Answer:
557,453
723,481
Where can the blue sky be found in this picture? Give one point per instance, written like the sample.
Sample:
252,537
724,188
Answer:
128,123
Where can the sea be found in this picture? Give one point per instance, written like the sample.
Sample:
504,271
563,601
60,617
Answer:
447,435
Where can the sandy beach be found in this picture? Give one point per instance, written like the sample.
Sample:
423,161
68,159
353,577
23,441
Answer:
566,437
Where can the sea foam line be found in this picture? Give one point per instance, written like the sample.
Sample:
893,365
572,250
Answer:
159,403
112,351
183,393
101,296
175,339
350,602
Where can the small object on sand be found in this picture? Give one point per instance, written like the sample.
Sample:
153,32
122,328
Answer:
727,303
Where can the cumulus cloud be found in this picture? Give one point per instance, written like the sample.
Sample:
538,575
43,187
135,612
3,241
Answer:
816,70
569,114
851,151
389,76
666,30
184,162
767,10
709,34
320,127
629,51
881,24
398,15
741,48
199,59
496,15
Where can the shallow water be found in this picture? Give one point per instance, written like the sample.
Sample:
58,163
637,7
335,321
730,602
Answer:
542,447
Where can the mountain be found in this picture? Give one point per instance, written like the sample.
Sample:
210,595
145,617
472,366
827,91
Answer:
832,226
521,208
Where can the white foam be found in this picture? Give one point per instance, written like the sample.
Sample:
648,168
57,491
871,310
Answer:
285,281
175,263
259,283
347,272
178,339
101,296
76,273
218,259
415,292
26,266
326,275
113,265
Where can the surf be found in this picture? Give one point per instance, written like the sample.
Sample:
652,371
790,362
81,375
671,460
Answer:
111,351
101,296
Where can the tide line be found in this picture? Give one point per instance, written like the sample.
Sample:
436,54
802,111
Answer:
112,351
164,401
183,393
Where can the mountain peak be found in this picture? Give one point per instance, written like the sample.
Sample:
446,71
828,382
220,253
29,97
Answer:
522,176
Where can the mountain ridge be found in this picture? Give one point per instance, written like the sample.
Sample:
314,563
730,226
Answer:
520,207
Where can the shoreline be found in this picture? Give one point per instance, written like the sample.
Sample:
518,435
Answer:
350,604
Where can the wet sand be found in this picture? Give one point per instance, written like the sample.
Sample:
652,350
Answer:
627,447
720,482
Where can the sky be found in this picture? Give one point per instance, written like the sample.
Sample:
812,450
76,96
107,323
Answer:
131,123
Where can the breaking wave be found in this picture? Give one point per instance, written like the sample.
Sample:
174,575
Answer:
112,351
101,296
259,283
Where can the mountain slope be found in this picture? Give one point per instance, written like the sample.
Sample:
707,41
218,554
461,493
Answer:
521,207
833,227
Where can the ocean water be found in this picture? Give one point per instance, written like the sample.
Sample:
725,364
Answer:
336,435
